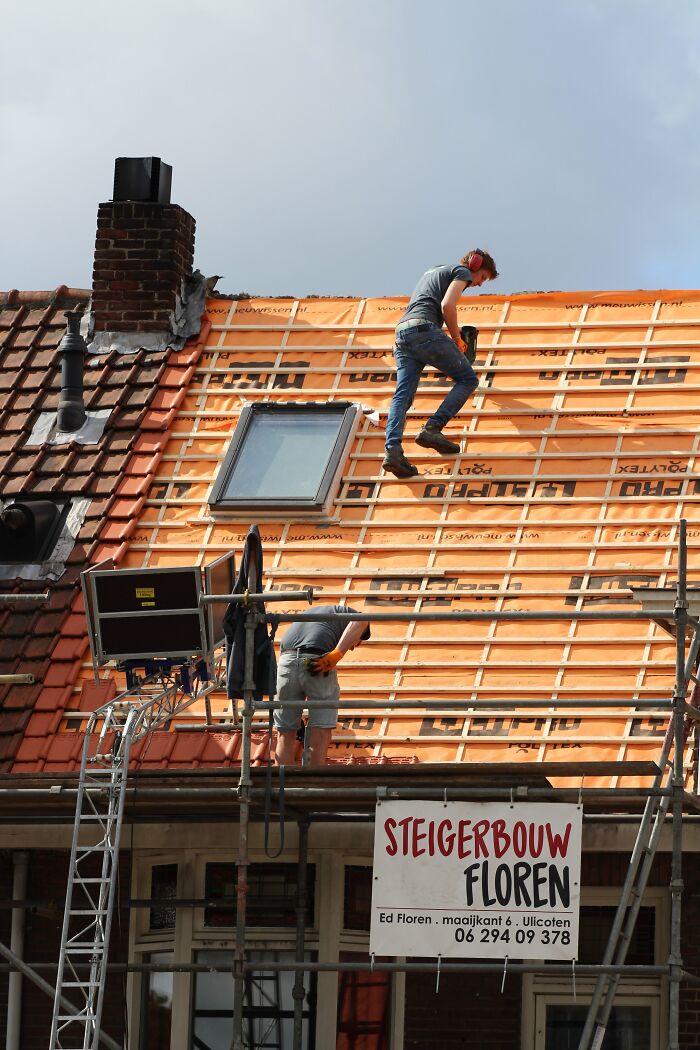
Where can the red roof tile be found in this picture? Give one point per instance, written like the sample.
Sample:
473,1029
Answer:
52,696
95,694
31,328
75,626
42,725
127,508
68,648
32,748
134,486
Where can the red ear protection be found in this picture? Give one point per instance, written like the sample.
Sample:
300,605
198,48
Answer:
476,261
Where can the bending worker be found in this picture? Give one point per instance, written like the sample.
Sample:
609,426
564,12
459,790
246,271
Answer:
420,341
309,654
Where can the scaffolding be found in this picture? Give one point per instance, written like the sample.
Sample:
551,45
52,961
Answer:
128,716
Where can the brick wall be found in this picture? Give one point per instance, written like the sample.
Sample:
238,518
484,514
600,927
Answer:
46,883
467,1012
142,253
470,1011
689,1027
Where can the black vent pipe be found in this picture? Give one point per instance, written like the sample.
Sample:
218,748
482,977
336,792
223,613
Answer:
71,407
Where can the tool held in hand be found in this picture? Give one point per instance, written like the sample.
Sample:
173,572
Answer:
322,664
469,334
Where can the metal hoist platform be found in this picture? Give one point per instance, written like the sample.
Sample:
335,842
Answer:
94,860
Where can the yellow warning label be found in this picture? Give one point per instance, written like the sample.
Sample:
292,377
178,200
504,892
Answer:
145,592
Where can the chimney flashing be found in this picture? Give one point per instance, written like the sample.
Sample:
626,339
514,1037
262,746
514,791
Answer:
184,322
54,565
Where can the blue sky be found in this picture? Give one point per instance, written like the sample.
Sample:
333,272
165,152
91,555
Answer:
342,148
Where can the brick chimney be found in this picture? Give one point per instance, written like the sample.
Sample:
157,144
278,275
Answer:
143,251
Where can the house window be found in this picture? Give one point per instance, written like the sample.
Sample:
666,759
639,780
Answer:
346,1010
364,1007
357,897
595,925
630,1026
559,1011
157,1005
163,888
268,1003
285,457
271,899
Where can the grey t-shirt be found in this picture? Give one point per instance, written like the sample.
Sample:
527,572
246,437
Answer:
321,636
430,290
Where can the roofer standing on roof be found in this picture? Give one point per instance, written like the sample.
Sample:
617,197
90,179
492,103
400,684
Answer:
309,653
420,341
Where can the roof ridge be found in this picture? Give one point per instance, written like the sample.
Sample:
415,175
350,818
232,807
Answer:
15,297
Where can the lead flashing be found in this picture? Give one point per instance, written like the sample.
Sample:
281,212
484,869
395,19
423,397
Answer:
45,430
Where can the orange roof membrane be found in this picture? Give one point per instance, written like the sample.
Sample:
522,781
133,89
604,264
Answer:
579,460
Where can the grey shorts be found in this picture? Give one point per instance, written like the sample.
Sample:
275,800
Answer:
295,686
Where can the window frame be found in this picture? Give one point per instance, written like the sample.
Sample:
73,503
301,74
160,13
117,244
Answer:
545,999
325,939
264,933
45,552
252,1012
166,956
542,989
326,491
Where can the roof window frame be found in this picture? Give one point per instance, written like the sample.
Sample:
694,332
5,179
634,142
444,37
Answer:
321,503
45,551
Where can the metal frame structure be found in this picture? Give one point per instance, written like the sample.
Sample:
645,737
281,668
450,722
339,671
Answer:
133,715
147,704
171,686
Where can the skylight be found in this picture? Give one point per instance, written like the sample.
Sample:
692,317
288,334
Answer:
285,457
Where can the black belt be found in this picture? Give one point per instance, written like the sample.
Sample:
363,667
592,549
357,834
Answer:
305,651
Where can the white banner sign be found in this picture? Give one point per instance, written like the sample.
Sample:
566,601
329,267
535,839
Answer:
476,880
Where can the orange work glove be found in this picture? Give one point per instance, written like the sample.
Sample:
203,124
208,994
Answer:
462,345
324,664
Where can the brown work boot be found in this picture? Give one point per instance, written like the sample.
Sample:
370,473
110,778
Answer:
432,437
396,463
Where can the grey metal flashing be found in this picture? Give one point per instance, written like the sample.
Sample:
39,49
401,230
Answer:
190,305
130,342
46,432
51,568
185,322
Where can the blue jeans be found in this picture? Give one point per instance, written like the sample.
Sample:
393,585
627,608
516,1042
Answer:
413,351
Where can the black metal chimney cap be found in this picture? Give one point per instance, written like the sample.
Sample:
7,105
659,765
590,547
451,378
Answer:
72,341
142,179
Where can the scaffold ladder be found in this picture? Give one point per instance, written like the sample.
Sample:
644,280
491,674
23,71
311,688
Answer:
94,859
